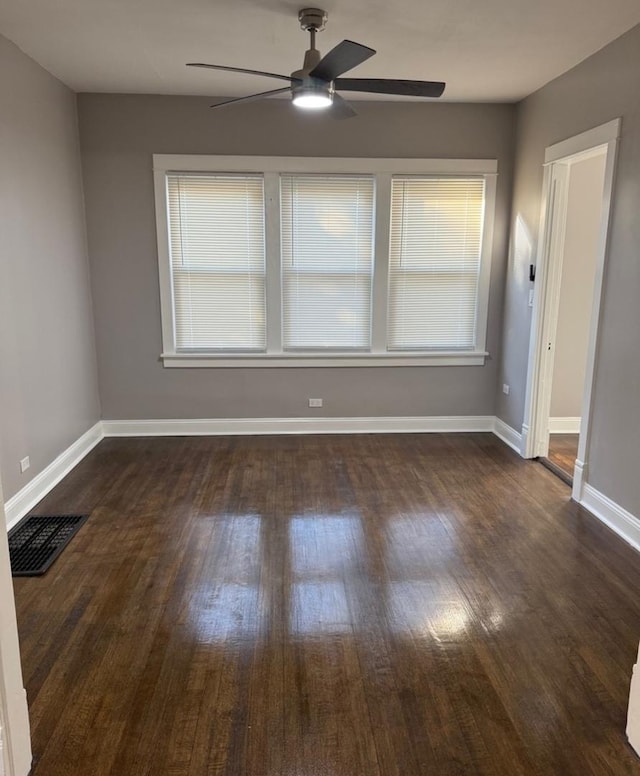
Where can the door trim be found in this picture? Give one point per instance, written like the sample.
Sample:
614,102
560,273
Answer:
600,139
13,698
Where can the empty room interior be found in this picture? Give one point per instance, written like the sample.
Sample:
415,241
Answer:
295,303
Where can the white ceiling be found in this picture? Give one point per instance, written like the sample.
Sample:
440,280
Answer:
496,50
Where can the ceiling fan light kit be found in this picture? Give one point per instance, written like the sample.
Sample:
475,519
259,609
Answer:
315,86
312,97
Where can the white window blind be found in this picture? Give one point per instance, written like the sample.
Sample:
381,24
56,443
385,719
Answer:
327,261
434,262
217,254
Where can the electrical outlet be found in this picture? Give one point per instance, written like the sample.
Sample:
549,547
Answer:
315,402
505,389
25,463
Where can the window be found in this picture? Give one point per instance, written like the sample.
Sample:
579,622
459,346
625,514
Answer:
216,249
267,261
434,262
327,261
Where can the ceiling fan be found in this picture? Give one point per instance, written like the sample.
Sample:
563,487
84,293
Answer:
316,84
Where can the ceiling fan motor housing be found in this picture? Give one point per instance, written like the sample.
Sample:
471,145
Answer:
312,19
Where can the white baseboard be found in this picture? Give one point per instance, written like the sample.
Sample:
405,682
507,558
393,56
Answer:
37,488
616,517
508,435
324,425
564,425
579,480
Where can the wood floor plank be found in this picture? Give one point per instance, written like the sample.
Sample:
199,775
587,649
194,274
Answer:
375,605
563,451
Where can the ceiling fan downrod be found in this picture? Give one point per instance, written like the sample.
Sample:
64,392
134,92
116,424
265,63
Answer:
308,91
312,20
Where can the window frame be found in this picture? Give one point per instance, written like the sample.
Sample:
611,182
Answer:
271,167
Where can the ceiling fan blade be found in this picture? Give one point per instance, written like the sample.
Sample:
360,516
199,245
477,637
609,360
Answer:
391,86
341,109
242,70
251,97
343,57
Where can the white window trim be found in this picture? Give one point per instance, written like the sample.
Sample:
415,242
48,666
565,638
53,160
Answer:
271,167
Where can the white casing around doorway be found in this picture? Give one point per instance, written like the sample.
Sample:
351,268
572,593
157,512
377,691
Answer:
633,716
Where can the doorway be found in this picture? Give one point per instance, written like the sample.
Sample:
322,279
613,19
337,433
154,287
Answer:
583,180
578,181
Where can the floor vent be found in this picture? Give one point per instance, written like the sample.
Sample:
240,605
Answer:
37,541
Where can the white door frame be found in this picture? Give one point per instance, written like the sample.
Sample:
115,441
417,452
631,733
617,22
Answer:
557,160
13,698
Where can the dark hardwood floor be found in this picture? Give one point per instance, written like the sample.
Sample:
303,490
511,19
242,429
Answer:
393,605
563,451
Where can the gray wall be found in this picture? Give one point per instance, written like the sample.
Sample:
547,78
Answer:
603,87
48,383
119,133
580,250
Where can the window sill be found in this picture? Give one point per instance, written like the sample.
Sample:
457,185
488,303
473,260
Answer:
270,360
